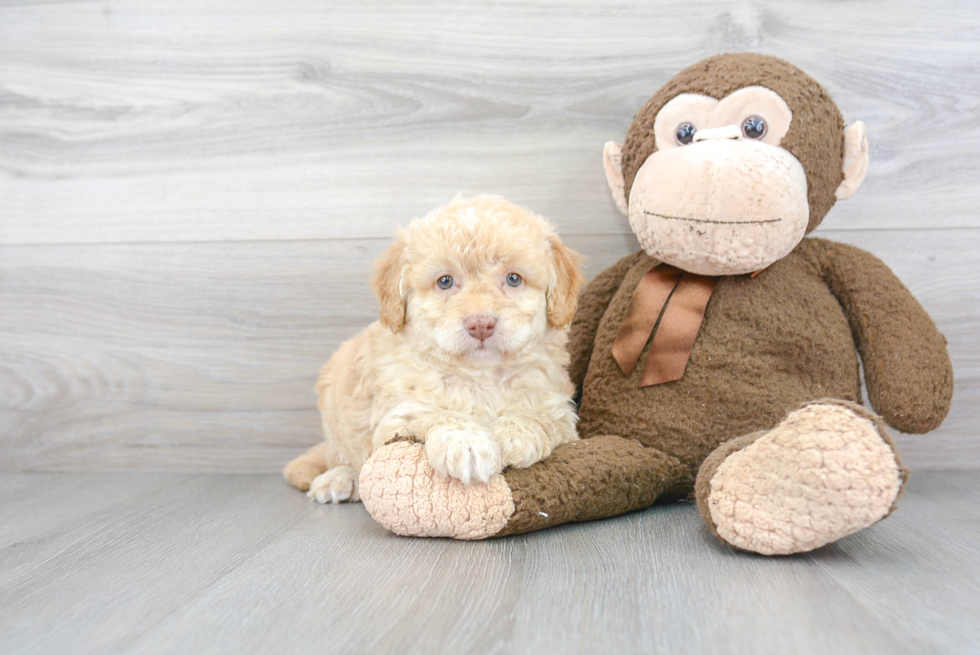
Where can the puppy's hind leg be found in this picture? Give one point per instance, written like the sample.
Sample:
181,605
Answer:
337,485
316,472
301,471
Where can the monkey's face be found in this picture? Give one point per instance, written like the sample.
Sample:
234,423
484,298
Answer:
725,178
720,196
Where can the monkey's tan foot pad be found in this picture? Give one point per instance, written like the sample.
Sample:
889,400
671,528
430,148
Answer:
403,493
827,471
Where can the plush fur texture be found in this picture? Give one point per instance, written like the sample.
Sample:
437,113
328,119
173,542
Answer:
767,345
757,209
401,490
475,370
772,478
815,137
734,234
826,471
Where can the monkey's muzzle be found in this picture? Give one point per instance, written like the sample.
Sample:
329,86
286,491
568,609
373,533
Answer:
720,207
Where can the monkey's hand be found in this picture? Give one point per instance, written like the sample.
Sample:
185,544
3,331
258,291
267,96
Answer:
907,368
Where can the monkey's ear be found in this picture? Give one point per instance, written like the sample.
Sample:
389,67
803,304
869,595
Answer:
387,283
855,160
612,161
563,294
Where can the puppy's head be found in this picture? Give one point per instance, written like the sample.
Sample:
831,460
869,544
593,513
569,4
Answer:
479,279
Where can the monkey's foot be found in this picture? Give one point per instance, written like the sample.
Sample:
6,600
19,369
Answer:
827,471
402,492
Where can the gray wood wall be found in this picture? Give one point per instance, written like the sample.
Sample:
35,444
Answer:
191,192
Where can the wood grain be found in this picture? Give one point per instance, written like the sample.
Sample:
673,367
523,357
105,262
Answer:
190,194
132,564
204,356
300,119
35,503
243,564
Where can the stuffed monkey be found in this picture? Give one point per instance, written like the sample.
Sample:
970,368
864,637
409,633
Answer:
722,359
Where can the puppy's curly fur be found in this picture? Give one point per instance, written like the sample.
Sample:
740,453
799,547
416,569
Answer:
468,356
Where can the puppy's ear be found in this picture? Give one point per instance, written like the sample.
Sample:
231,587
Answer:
563,294
387,282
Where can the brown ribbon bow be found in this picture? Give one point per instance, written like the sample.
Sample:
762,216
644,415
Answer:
677,300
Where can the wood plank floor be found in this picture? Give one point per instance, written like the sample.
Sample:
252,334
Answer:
163,563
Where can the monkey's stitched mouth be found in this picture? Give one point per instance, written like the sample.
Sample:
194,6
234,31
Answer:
705,220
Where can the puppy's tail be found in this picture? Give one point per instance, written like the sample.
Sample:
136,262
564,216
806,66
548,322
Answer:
301,471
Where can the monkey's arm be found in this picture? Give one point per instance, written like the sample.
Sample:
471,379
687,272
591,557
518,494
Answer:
592,304
906,366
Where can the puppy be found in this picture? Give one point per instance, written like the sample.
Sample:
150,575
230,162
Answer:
468,356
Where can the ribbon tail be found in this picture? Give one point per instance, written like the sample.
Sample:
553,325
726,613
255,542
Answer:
674,340
645,308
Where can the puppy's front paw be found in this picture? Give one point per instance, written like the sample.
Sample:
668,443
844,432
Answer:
469,456
520,446
337,485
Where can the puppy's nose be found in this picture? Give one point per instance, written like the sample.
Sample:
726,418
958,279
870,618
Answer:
481,327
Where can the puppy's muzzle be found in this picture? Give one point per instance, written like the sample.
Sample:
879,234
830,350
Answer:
481,326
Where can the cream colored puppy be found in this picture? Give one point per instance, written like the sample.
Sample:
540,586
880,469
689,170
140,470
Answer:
469,355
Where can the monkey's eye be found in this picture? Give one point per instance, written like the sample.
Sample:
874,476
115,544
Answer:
445,282
754,127
514,280
685,133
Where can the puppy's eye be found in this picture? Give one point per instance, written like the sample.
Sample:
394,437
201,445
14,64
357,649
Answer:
754,127
445,282
685,133
514,280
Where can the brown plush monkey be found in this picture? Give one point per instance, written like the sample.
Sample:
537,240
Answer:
723,357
